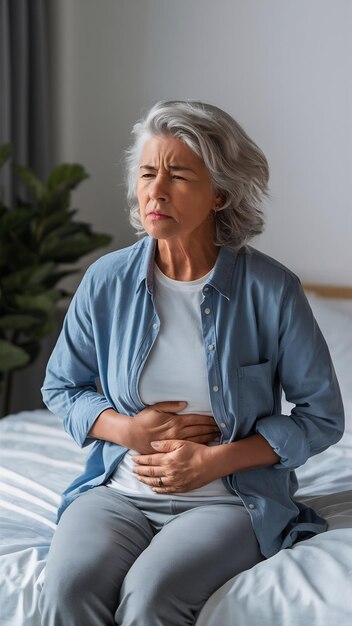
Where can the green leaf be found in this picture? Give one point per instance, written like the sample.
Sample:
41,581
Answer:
19,322
5,153
31,181
54,201
35,238
68,229
28,277
41,302
72,248
15,220
66,177
11,356
14,254
52,221
53,279
37,274
44,329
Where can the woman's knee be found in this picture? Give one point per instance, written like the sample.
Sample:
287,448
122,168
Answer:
77,597
151,599
63,587
57,599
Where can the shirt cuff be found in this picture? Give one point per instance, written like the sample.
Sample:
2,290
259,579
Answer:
286,439
85,411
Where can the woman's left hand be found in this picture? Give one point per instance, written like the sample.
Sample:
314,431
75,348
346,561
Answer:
178,466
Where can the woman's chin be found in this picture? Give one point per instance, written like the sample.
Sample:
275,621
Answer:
161,229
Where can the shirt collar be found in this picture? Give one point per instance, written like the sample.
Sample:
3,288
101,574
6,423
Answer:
147,265
220,278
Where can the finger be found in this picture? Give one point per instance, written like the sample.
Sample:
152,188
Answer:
149,459
154,482
148,470
145,459
165,445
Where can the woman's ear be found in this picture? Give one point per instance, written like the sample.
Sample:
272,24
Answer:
219,200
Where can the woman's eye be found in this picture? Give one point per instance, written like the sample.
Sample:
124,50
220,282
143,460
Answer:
149,175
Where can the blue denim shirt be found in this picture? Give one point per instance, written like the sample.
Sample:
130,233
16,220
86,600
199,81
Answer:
259,337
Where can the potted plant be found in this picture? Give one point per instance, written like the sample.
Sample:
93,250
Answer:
39,242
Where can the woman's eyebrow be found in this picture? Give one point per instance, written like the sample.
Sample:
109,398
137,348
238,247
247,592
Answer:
176,168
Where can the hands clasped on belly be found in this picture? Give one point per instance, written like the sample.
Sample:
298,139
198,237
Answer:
172,456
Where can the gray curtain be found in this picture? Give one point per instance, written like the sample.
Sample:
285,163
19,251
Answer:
25,124
24,89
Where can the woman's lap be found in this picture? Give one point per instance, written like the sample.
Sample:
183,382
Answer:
93,547
104,541
193,555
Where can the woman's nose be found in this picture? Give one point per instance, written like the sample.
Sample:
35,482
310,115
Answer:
158,189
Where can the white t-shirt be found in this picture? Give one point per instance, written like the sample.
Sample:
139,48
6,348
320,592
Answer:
175,370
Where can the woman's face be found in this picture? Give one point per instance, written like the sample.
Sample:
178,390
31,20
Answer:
174,191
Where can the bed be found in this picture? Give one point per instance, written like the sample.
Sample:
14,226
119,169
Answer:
308,584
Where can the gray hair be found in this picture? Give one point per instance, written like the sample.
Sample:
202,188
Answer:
237,167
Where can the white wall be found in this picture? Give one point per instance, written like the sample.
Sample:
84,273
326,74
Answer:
282,68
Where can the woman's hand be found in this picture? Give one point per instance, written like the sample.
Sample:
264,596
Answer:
179,466
161,421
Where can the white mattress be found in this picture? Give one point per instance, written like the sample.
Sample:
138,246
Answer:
309,584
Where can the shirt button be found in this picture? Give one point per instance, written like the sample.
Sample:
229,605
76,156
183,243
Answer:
251,506
215,388
223,425
211,346
206,289
155,326
206,311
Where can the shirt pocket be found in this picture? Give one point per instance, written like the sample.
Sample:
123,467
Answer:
255,387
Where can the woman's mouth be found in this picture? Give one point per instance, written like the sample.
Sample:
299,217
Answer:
158,216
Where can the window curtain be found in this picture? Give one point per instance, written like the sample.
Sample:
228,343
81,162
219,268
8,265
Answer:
24,89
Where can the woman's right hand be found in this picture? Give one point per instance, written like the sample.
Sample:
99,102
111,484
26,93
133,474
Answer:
162,421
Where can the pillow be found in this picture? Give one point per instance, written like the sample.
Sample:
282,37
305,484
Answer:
335,321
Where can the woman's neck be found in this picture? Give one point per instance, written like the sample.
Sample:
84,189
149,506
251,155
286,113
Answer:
180,261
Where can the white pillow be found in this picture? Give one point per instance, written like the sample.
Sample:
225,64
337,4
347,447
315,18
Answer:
335,322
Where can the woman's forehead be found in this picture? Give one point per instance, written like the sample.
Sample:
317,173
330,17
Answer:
170,151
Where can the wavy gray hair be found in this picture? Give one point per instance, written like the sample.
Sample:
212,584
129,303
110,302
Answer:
237,167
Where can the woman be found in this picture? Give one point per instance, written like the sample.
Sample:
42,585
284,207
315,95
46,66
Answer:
190,478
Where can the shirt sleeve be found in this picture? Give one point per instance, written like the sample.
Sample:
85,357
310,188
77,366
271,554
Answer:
69,389
308,378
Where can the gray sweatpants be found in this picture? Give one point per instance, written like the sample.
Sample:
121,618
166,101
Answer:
138,561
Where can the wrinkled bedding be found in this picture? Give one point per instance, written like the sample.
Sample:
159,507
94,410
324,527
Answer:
308,584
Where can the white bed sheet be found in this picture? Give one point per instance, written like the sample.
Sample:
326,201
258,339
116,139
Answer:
38,461
309,584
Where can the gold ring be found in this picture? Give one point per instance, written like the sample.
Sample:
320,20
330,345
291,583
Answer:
161,484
